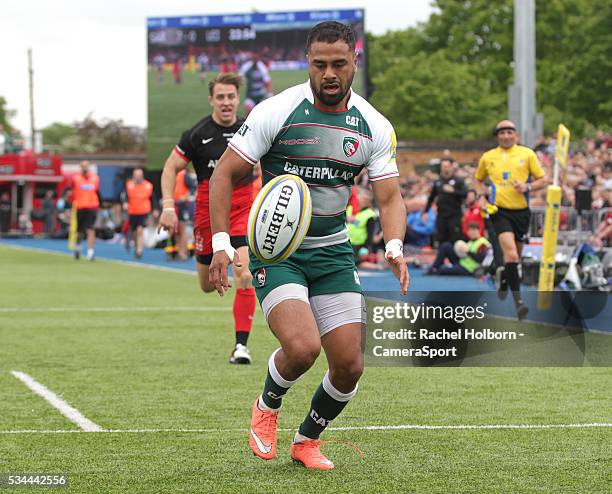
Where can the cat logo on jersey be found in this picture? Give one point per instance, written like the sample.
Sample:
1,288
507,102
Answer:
350,146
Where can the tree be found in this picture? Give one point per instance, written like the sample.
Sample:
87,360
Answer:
573,64
90,136
4,115
429,96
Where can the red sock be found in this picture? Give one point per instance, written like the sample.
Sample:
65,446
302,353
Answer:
244,308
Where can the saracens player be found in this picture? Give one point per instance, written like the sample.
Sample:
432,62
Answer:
203,145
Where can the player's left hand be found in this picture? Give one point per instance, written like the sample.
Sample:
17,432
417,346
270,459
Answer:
400,270
448,188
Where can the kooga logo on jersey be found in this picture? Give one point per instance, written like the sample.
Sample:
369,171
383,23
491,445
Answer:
277,218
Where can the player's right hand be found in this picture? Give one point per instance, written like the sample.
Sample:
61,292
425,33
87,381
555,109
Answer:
168,221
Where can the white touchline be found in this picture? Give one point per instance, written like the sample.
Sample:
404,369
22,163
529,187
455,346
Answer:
114,309
349,428
64,408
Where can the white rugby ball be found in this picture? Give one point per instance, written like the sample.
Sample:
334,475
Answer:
461,248
279,218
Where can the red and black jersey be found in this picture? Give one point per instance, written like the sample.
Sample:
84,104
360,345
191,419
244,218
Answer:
204,144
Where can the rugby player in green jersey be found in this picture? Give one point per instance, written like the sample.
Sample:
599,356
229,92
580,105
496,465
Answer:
325,133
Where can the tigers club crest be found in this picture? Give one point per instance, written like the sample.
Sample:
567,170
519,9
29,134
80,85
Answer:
350,146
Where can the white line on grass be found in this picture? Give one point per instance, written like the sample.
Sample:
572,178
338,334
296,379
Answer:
64,408
349,428
102,259
113,309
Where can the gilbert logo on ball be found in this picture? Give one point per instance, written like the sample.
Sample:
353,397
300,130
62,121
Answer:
279,218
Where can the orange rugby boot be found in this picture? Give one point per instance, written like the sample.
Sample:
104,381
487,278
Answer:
308,454
262,438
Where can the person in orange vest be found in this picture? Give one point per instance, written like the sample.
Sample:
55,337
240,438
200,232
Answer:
183,204
85,199
139,192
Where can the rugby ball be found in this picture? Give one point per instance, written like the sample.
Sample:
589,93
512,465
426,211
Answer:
279,218
461,248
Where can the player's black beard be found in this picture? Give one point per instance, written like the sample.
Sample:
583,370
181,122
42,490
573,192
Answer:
331,99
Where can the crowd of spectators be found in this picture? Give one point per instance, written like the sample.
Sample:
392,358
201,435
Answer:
589,167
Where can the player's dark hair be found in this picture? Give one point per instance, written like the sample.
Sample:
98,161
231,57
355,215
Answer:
447,158
330,32
226,78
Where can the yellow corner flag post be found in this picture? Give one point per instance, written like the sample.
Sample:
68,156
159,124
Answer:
551,223
72,233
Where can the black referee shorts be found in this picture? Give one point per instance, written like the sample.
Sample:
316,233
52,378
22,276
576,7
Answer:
86,219
512,220
137,220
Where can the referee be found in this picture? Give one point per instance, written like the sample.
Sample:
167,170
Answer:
513,171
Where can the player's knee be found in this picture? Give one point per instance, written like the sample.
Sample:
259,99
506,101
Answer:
511,256
244,278
302,355
346,376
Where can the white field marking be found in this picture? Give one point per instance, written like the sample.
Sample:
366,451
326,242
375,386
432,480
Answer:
113,309
101,259
64,408
349,428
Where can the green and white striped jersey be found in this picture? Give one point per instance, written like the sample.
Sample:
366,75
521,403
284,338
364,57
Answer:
288,134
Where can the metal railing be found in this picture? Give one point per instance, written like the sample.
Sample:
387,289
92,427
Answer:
574,227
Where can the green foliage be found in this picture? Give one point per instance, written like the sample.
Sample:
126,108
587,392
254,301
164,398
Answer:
474,39
90,136
4,114
439,98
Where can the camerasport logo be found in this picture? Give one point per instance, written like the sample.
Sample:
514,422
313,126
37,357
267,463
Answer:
260,276
349,146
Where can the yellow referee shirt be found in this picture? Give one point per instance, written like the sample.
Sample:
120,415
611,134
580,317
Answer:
503,167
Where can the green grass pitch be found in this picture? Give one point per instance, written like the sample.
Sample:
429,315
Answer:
174,108
165,366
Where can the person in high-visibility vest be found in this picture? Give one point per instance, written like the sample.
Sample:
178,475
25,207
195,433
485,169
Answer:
85,198
138,205
363,229
465,257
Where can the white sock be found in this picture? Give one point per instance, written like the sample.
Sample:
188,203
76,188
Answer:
265,408
90,252
298,438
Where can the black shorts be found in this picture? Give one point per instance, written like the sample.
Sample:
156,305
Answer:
512,220
236,241
137,220
86,219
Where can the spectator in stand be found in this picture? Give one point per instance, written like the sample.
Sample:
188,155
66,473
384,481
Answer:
465,257
184,207
450,192
5,213
364,230
48,209
419,227
473,213
603,234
